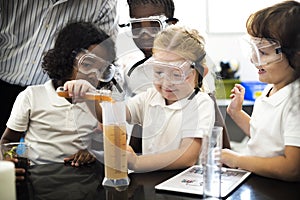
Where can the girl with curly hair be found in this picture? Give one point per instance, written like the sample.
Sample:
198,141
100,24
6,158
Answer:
59,129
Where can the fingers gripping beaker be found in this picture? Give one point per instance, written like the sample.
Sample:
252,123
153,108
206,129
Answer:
114,137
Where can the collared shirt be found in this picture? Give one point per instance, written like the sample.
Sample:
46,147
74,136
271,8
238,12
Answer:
135,80
28,29
274,122
54,127
164,126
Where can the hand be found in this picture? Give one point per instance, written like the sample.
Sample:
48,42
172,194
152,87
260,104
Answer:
20,172
80,158
230,158
131,158
78,88
237,98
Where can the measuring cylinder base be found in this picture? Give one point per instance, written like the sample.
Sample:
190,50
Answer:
119,184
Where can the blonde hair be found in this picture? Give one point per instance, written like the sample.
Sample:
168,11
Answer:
181,41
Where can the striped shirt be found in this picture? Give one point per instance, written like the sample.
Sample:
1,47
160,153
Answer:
28,29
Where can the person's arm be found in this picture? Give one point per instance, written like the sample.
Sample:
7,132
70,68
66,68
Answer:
185,156
78,89
95,108
107,18
235,109
10,135
284,167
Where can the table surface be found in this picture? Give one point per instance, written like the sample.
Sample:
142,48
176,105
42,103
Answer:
60,181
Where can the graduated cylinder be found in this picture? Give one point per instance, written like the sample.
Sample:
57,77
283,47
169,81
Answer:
114,137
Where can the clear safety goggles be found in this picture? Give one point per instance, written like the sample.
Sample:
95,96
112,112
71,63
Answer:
261,51
90,63
147,25
174,72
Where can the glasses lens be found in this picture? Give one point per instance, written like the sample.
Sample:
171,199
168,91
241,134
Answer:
145,23
160,71
107,74
266,54
89,63
138,32
149,26
262,51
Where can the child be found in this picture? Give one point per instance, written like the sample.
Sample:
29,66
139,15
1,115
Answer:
175,113
60,129
274,146
147,19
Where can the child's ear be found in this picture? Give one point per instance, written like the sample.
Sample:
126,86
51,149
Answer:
74,73
205,70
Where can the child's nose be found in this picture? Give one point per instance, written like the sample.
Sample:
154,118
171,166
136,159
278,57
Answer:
165,79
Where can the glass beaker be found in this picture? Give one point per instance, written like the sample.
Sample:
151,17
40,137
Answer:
19,150
212,166
114,138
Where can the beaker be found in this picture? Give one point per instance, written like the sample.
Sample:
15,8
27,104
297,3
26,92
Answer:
212,166
114,138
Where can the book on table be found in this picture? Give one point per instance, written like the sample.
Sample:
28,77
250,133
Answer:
191,181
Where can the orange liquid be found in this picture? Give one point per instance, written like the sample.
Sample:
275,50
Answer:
115,158
89,96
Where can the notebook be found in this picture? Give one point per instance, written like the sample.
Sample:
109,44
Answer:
191,180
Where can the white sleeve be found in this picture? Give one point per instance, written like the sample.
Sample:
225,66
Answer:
19,117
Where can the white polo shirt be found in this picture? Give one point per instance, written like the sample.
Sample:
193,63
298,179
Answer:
274,122
164,126
54,127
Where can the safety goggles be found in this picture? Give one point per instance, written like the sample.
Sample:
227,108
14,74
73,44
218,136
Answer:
147,25
174,72
90,63
261,51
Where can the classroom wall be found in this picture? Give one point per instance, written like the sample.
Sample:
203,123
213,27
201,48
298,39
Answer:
222,22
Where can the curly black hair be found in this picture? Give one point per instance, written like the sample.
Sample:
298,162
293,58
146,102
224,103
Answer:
58,62
167,4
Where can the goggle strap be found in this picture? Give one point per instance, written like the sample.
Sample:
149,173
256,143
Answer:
278,50
117,85
124,25
196,90
136,65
